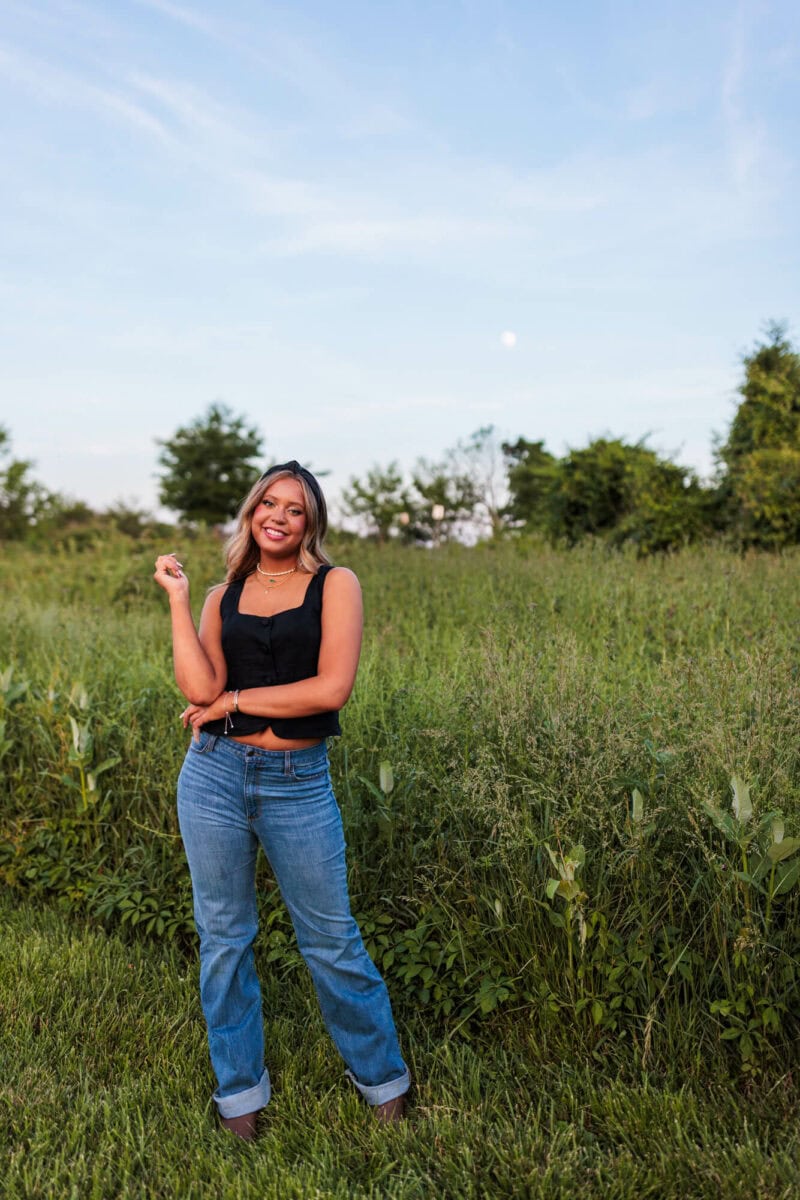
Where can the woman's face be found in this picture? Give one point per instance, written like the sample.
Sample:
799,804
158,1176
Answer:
279,520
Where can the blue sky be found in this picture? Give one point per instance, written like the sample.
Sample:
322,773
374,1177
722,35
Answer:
325,215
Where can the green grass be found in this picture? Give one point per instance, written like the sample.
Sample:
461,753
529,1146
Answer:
104,1092
633,1033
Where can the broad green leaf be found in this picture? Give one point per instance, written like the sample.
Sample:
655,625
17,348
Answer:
552,887
723,821
107,764
785,849
742,807
789,874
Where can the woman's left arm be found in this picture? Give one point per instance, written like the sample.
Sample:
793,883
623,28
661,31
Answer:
328,690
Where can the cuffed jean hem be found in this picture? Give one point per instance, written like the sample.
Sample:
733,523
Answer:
245,1102
383,1092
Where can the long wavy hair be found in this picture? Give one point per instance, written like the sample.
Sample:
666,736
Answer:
241,551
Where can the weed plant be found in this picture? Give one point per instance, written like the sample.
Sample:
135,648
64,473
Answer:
535,779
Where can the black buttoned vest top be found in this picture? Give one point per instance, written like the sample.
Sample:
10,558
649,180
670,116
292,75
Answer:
266,651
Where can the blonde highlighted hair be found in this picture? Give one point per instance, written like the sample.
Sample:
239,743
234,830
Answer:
241,551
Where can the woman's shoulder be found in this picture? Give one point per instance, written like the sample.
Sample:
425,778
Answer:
339,584
339,576
215,596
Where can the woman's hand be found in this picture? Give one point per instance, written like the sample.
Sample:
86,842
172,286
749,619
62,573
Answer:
198,715
169,575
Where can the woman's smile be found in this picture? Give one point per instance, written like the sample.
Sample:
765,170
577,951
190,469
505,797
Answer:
280,518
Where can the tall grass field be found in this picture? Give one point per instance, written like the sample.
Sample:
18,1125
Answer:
570,783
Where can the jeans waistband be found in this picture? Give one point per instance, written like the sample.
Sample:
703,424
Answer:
213,742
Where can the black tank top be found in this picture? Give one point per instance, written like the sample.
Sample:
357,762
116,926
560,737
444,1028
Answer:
265,651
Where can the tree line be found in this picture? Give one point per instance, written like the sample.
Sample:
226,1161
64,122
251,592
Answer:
483,487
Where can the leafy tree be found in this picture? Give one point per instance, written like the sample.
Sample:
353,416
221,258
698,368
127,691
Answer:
209,466
625,493
22,500
767,489
444,502
378,500
128,518
761,457
532,473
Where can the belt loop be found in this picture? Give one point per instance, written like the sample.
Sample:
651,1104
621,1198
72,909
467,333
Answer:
213,738
287,762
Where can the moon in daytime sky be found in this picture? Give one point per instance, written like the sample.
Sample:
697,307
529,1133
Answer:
509,339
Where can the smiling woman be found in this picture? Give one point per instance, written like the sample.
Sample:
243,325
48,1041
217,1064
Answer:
274,660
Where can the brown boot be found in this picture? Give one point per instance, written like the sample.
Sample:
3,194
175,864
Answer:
243,1127
391,1111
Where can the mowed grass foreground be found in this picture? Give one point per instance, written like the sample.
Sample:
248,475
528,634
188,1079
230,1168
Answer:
105,1085
593,955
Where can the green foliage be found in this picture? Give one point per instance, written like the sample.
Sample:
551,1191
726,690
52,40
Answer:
511,698
443,502
22,500
532,475
624,493
768,491
761,457
209,465
378,500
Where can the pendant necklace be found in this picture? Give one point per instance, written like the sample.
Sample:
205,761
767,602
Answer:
272,577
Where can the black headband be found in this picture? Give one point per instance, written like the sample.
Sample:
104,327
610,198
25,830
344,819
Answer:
295,469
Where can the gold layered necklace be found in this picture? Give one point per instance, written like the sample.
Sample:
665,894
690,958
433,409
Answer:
275,579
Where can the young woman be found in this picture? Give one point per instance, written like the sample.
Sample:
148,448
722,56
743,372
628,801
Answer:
274,660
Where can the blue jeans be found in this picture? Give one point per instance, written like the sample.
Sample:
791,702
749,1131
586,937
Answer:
231,797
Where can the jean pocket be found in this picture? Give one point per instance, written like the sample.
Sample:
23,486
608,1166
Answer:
204,743
308,772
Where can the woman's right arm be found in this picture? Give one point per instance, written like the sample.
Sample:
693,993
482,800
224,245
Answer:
199,663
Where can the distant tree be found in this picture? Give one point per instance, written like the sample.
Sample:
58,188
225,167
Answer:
378,500
443,503
532,474
127,517
760,459
625,493
479,461
209,465
23,501
768,492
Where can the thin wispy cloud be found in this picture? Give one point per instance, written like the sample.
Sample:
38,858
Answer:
746,135
184,16
49,85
